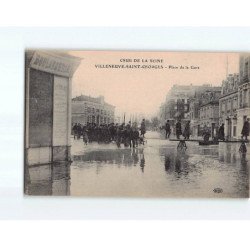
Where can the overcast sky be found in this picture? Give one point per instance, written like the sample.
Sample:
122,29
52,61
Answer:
143,90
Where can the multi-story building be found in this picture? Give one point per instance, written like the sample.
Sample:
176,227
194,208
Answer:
243,112
162,113
193,114
228,105
177,101
209,116
204,96
93,110
184,101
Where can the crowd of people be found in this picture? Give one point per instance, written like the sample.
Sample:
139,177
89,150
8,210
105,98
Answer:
206,133
128,134
131,135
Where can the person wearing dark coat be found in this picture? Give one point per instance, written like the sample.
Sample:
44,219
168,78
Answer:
136,136
79,131
75,129
167,129
186,132
245,130
178,129
127,134
119,135
112,130
85,135
143,128
221,133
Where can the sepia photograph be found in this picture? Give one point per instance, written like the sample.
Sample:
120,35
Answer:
137,124
124,124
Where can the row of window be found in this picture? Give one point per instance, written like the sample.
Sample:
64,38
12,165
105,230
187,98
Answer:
229,105
182,101
102,112
244,98
185,108
208,112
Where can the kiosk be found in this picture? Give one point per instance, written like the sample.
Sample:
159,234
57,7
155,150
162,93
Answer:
48,77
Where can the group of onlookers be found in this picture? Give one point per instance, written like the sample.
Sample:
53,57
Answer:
178,130
127,134
206,133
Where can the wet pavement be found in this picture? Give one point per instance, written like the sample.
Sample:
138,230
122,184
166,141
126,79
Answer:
156,169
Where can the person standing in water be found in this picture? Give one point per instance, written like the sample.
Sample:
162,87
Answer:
178,129
186,132
221,133
167,129
143,128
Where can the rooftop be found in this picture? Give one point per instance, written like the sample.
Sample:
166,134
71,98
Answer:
85,98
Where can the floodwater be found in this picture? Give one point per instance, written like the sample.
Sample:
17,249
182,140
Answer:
156,169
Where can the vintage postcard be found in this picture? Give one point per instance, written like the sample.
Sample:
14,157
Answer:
137,124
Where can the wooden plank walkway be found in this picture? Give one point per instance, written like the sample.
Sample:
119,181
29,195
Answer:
196,140
184,140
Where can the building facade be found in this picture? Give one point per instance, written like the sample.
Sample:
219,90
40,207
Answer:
228,105
176,105
86,109
184,102
193,115
209,117
243,112
203,99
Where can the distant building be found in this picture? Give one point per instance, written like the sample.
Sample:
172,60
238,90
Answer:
162,113
209,117
184,101
203,100
117,120
228,105
193,114
243,112
93,110
177,101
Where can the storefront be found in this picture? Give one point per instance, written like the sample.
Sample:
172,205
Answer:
231,127
243,113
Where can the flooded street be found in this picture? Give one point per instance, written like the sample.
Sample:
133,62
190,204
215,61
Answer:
156,169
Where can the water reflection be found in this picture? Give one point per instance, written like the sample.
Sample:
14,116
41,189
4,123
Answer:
156,170
119,157
177,164
167,164
142,162
213,151
229,153
50,179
